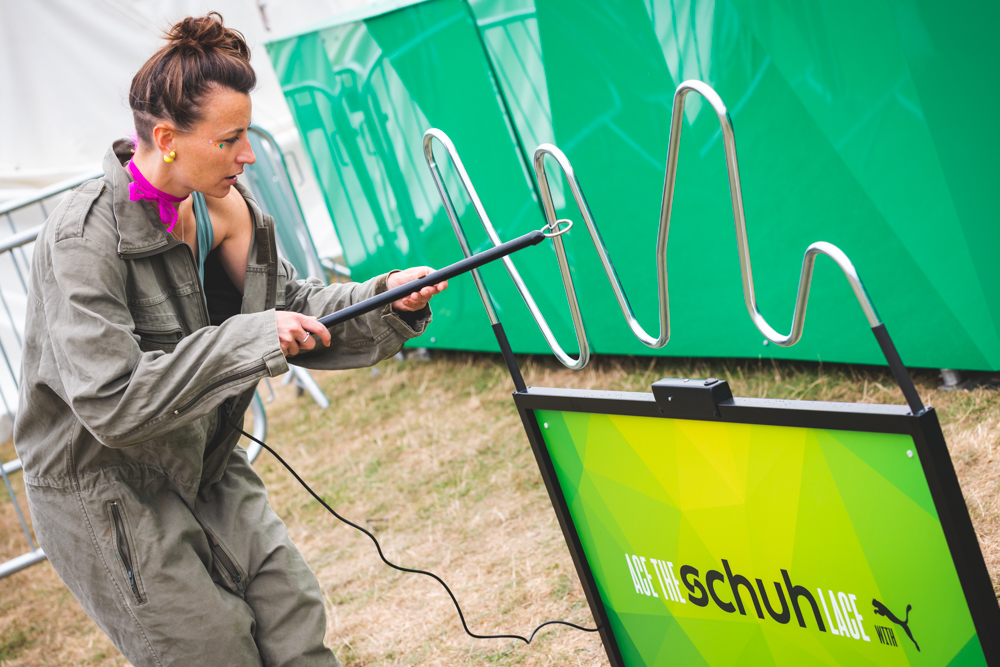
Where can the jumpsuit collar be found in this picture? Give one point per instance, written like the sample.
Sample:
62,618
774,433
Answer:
140,232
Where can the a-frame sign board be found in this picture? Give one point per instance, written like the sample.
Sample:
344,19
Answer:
712,530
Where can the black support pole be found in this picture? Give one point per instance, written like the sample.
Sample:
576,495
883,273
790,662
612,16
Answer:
898,369
508,356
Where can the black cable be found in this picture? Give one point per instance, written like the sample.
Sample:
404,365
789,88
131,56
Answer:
405,569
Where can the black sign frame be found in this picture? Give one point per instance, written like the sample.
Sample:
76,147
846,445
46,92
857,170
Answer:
924,428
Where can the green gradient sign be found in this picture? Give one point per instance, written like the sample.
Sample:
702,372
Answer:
714,543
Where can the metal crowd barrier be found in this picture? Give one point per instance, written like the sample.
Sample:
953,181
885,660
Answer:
15,265
271,185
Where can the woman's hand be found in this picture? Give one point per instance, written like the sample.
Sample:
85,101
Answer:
294,330
417,300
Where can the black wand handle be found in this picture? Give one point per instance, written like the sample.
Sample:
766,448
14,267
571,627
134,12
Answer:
448,272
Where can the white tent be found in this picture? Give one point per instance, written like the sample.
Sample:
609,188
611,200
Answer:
66,66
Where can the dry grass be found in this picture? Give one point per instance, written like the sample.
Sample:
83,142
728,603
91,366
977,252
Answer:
433,458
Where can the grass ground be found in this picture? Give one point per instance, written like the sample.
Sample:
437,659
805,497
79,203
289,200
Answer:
432,457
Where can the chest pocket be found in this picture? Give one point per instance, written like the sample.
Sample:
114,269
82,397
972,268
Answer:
165,341
164,299
157,321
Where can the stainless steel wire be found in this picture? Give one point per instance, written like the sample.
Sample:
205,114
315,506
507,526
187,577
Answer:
673,152
553,226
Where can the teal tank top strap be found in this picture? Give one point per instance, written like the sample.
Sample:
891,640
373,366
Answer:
206,235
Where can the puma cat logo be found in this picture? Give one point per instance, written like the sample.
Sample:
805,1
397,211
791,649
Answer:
882,610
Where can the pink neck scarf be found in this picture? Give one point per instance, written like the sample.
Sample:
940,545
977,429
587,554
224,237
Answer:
141,189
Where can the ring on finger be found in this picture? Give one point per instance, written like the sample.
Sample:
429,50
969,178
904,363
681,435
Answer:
304,339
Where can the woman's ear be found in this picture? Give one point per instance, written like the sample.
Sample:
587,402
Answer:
163,138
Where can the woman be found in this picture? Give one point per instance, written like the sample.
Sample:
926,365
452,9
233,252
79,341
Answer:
155,311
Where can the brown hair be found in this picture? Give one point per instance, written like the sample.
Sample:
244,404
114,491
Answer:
200,53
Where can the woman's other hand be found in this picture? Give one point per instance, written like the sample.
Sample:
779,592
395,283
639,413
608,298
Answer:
294,330
417,300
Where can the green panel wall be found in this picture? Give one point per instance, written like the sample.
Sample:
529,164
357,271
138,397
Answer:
844,131
362,95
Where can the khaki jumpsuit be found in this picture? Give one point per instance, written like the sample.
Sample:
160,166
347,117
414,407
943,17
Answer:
139,495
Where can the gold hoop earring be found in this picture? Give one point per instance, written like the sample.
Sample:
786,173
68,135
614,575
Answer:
170,157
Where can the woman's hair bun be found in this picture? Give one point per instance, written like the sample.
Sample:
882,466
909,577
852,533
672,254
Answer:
200,53
206,33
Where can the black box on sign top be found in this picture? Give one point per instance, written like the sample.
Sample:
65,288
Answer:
691,399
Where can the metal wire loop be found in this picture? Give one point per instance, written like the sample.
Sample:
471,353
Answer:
560,232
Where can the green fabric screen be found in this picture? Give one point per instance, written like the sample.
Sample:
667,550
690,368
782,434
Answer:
860,123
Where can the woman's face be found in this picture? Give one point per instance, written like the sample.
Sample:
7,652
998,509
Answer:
214,152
